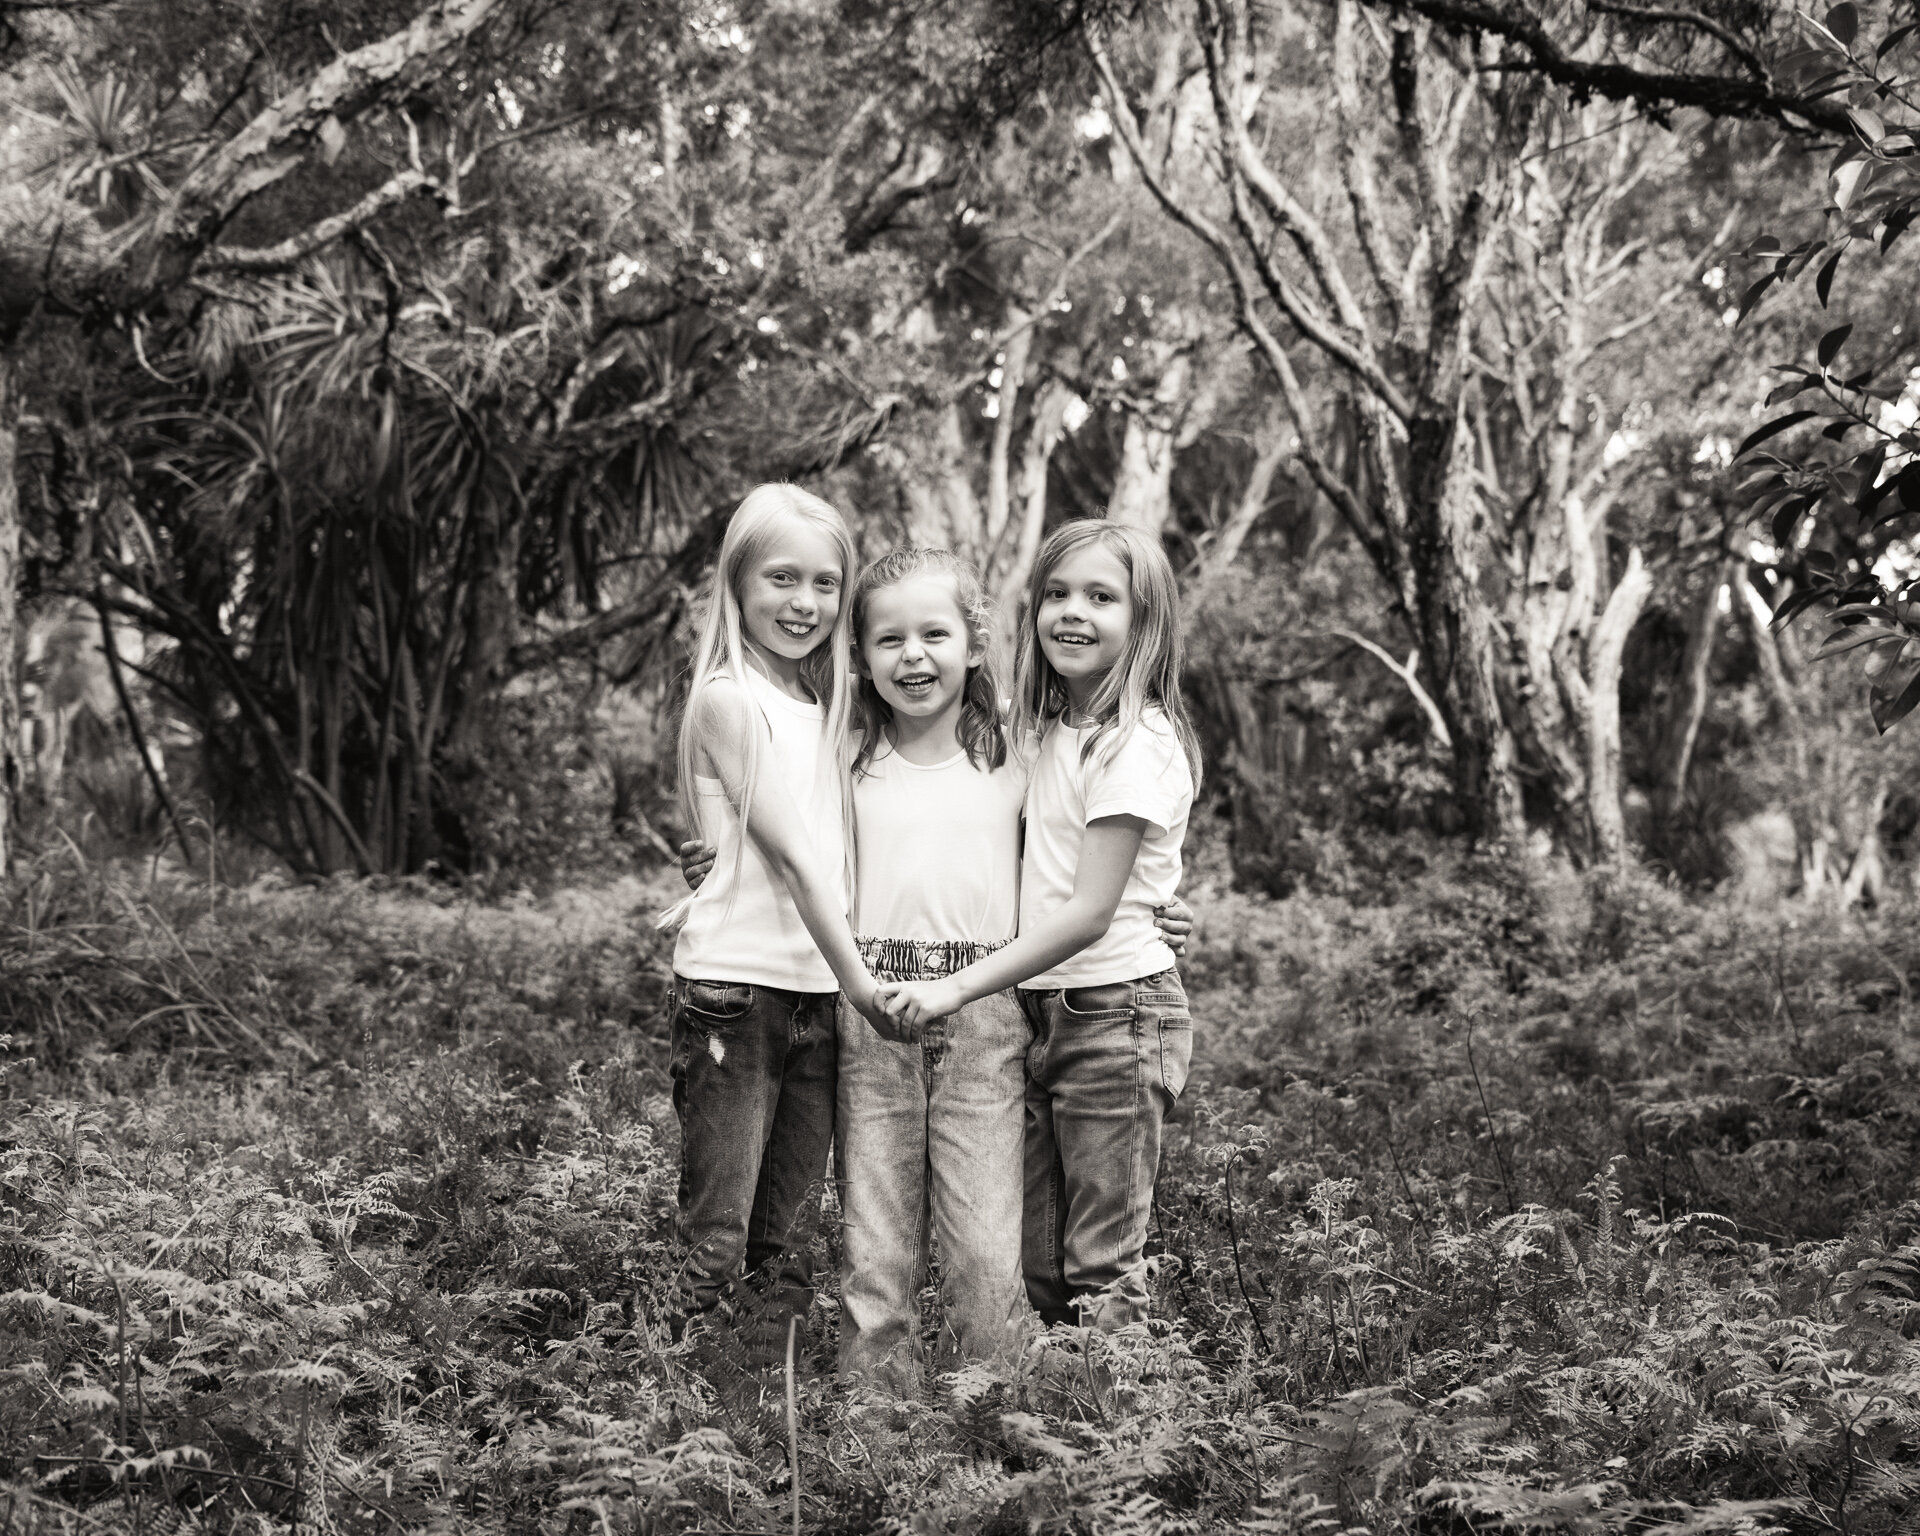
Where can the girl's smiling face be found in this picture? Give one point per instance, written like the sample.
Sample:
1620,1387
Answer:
1084,617
916,647
790,595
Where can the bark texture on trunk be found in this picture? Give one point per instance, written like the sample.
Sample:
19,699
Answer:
1029,496
942,510
1603,716
11,778
283,136
1143,484
1458,632
1253,741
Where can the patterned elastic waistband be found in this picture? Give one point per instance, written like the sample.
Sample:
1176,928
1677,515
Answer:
920,959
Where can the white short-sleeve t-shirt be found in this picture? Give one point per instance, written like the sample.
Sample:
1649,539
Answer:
1145,774
937,848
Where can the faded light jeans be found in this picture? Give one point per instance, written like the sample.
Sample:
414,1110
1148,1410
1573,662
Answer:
930,1143
753,1085
1105,1067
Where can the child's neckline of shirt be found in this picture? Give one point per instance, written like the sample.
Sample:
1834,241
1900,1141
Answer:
894,755
767,688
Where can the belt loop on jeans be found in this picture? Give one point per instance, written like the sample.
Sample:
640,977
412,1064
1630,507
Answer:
920,959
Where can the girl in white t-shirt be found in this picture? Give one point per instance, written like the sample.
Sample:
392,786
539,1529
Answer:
930,1123
1107,808
765,945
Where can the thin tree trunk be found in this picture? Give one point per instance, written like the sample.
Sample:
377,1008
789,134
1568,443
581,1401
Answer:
1270,453
1603,717
1043,436
1867,874
492,624
1143,485
1691,707
1553,620
10,774
110,648
1013,378
1773,670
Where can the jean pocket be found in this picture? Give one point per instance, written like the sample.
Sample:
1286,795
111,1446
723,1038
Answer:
719,1002
1113,1000
1176,1052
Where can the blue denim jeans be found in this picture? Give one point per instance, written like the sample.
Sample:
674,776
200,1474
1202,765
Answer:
1105,1066
754,1071
929,1142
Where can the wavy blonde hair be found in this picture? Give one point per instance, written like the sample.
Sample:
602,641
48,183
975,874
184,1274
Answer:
1148,671
721,650
983,734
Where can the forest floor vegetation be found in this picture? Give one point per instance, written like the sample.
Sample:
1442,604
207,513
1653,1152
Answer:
1547,1203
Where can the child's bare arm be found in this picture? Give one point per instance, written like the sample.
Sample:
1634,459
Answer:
1099,880
724,717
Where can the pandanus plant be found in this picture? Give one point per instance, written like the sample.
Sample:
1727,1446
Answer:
350,509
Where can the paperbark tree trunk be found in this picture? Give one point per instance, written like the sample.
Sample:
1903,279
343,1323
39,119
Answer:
1603,713
1143,485
1458,635
1048,426
11,778
942,510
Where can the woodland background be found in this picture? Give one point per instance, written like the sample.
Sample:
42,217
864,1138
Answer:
374,385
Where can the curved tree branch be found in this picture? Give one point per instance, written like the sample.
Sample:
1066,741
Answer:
1261,334
281,137
296,248
1720,95
1689,19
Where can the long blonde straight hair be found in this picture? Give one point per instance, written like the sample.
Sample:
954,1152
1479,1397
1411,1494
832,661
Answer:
1148,671
721,650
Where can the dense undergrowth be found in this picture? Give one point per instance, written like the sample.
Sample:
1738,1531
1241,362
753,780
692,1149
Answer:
1515,1205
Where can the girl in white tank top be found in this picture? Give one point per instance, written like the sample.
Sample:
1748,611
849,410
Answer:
766,940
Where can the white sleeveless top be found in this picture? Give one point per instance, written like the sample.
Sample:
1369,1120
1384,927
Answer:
939,848
742,925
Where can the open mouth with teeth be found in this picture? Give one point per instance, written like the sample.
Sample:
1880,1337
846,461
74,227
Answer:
1071,639
796,631
917,685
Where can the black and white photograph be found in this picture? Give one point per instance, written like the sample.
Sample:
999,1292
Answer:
959,767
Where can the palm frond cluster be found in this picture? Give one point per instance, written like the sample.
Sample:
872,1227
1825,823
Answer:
343,507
